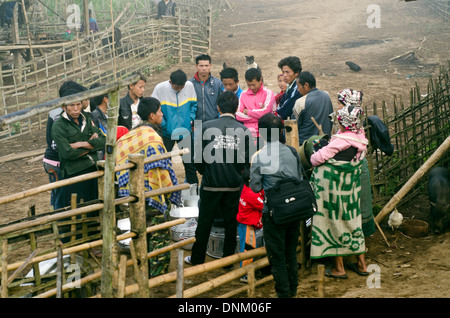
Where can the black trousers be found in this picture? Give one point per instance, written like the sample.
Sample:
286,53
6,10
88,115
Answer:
210,202
281,243
189,167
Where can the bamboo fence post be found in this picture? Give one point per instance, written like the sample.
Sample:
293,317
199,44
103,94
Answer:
4,289
180,38
138,220
137,273
109,251
33,245
73,226
180,273
443,148
122,276
59,271
321,275
251,282
208,27
16,40
293,141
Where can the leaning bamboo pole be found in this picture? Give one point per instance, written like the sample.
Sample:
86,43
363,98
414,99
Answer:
443,148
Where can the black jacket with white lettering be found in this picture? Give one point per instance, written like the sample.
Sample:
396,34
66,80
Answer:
224,154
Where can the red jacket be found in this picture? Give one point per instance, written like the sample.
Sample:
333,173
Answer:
250,207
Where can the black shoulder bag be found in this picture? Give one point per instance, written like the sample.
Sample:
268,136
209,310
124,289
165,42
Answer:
291,200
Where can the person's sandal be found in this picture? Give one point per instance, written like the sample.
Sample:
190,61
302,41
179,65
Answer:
354,267
329,274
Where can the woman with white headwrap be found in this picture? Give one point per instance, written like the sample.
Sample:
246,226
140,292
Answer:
337,226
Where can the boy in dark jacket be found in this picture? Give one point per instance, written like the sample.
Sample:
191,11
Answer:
224,155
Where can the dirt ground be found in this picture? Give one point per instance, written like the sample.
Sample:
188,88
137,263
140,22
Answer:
324,34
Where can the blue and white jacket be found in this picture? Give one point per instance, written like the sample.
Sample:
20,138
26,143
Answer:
178,108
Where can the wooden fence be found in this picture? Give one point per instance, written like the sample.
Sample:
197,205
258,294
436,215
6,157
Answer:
416,131
146,44
440,7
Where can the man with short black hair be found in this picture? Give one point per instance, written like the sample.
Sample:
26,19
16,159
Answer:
128,105
230,80
224,154
313,103
178,104
290,67
207,87
151,114
256,101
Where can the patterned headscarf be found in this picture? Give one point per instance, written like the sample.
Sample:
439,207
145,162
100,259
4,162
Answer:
350,96
350,117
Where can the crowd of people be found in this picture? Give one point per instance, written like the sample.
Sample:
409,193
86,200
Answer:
236,142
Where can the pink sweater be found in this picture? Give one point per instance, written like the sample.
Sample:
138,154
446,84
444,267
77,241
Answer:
257,105
338,143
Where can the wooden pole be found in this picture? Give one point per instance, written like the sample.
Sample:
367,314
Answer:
321,276
180,274
4,290
59,271
16,39
414,179
109,251
292,133
122,276
86,17
33,245
251,279
138,220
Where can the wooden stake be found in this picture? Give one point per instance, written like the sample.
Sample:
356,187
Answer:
122,276
4,290
251,280
138,220
180,273
317,125
109,251
320,275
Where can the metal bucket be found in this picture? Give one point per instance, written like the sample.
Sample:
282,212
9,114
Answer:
217,238
184,231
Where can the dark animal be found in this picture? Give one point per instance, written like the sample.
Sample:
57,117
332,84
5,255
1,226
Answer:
107,42
353,66
439,198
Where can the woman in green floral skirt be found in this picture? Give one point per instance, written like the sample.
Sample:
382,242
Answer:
336,179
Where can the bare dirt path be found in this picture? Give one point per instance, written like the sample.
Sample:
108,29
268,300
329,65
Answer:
324,34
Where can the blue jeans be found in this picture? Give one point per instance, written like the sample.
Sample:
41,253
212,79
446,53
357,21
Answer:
56,196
